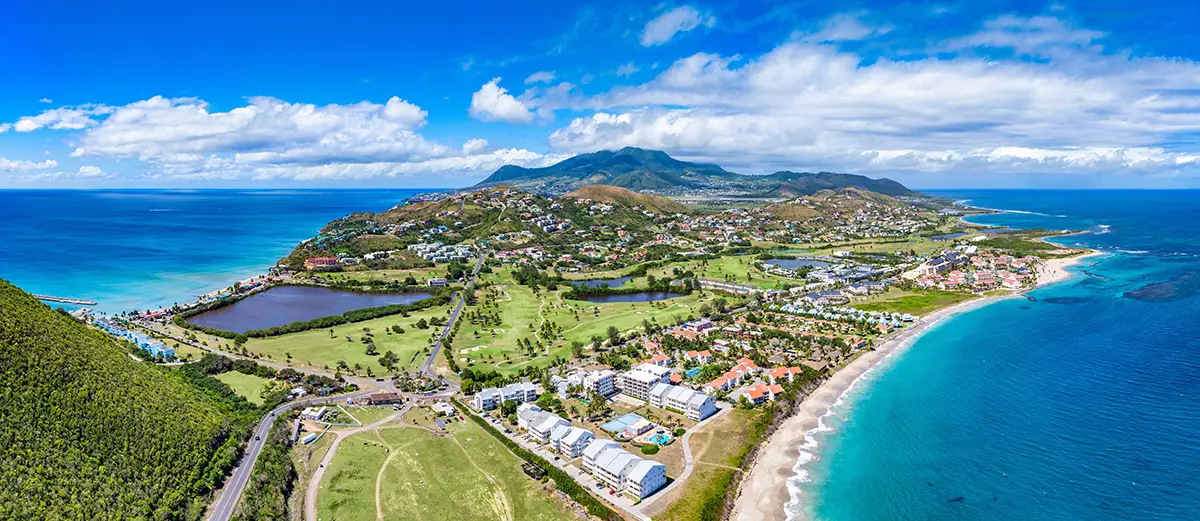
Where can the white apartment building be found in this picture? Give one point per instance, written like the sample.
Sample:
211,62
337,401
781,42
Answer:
638,381
572,442
594,450
694,404
622,471
491,398
541,425
644,478
603,382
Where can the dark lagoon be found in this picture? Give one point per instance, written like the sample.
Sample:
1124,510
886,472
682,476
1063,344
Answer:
793,264
642,296
949,236
283,305
612,283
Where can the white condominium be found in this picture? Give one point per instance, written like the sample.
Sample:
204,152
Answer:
519,392
603,382
622,471
695,405
570,441
638,381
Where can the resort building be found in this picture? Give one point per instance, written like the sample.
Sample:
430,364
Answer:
573,441
526,412
693,404
700,357
544,423
491,398
603,382
622,471
638,381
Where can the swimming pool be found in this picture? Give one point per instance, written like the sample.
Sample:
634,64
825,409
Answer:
659,439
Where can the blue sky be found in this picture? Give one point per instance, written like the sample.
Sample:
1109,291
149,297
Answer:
329,94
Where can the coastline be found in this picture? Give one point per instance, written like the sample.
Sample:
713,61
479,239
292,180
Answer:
766,492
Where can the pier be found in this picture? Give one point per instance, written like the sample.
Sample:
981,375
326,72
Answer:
65,300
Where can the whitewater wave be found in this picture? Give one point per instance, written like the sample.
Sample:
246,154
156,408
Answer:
812,443
1134,252
1102,229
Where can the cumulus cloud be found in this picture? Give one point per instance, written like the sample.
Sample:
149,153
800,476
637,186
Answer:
63,118
1042,36
45,100
268,138
627,69
493,103
681,19
540,77
806,105
20,165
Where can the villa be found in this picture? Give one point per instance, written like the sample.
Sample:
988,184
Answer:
693,404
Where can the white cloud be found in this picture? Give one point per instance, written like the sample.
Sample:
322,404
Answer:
846,27
540,77
1036,36
493,103
627,69
474,146
19,165
805,105
268,138
63,118
45,100
586,79
678,20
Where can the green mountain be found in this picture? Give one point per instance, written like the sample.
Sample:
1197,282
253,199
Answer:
89,433
656,172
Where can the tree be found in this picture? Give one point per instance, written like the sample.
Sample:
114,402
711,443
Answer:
508,407
410,281
577,349
371,349
613,333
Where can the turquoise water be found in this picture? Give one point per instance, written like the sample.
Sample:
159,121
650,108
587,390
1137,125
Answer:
1083,403
659,439
139,249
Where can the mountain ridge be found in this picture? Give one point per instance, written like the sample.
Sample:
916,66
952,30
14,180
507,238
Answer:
654,171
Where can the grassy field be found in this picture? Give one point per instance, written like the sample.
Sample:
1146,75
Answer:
522,313
717,448
421,274
316,348
918,303
247,386
408,473
738,267
369,415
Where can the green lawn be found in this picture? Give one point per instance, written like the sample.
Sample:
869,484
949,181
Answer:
523,312
419,476
916,302
247,386
369,415
316,348
717,447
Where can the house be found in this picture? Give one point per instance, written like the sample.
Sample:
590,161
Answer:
815,366
763,392
693,404
719,384
436,281
779,374
700,357
638,381
660,360
385,398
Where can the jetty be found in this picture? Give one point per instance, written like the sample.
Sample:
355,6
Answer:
64,300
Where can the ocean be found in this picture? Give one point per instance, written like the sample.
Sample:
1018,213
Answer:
140,249
1082,403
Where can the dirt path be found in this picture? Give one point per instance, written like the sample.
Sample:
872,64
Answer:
314,486
505,510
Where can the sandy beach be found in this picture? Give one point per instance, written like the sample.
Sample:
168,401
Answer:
765,490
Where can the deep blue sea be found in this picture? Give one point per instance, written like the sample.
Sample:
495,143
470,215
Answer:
138,249
1083,404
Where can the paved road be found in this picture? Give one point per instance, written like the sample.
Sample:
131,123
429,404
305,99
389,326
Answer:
688,460
427,367
314,485
223,508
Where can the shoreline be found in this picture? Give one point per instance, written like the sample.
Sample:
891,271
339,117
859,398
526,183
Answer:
767,490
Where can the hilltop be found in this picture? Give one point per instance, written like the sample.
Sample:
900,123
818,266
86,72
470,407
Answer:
654,171
628,198
90,433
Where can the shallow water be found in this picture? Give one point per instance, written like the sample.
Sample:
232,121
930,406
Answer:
283,305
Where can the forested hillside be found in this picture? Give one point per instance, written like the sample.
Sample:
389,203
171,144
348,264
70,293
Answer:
86,432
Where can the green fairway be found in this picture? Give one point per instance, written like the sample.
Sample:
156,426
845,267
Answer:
317,348
522,314
408,473
738,269
247,386
918,303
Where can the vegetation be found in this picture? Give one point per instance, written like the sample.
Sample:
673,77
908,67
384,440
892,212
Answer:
247,386
266,495
562,480
112,438
915,302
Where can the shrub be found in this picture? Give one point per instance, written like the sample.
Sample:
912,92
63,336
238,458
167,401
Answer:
649,449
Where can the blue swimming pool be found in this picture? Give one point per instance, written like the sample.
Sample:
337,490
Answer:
659,439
